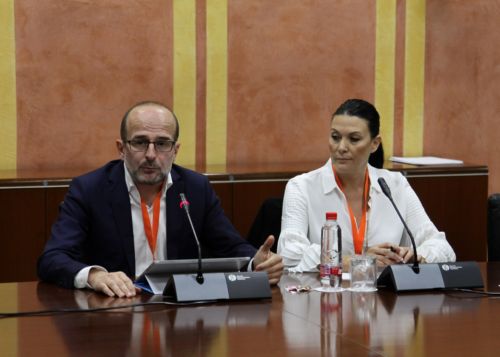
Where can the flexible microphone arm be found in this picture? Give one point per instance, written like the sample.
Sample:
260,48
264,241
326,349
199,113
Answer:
185,205
386,190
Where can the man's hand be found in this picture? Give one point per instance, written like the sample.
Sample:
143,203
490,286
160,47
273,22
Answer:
265,260
112,284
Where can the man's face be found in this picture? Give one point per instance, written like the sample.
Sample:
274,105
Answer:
148,123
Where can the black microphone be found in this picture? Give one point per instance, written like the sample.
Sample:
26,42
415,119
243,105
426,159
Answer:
185,205
449,275
387,191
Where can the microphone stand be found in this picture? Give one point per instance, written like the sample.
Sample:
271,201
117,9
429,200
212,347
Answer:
185,204
450,275
216,285
387,192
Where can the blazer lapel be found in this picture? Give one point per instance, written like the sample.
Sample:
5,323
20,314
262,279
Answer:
120,204
174,215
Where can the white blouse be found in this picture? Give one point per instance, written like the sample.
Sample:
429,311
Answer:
309,196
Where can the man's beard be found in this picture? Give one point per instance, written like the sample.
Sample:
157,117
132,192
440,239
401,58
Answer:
149,180
143,179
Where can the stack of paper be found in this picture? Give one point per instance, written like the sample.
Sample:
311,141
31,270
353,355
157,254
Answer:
425,160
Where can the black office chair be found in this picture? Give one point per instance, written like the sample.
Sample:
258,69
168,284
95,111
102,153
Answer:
267,221
494,227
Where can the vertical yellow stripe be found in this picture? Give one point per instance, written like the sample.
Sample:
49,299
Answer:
8,115
9,327
216,81
385,67
413,134
417,344
184,24
219,344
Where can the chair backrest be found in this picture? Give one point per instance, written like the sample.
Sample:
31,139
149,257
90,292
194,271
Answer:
494,227
267,221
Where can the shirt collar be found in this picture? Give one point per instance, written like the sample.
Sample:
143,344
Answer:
132,188
330,184
373,173
327,178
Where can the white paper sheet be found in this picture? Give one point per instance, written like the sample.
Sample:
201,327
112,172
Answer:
425,160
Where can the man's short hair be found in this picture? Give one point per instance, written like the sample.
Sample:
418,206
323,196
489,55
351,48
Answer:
123,125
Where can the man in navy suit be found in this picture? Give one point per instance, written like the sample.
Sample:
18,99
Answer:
119,218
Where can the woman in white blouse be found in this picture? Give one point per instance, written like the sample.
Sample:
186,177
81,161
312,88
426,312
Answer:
347,184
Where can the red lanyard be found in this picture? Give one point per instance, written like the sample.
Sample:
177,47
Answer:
358,235
152,235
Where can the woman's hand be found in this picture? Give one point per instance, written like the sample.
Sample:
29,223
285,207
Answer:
387,254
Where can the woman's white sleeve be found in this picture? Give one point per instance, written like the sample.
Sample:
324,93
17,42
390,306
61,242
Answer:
294,245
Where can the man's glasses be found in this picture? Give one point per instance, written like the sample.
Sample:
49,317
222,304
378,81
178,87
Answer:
142,145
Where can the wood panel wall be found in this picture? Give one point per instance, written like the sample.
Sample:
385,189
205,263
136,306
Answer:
455,203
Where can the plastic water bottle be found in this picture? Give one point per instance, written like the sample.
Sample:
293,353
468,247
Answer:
331,254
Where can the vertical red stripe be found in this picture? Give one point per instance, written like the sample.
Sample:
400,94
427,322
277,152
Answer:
201,87
399,78
169,63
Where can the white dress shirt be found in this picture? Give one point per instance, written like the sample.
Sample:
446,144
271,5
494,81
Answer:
143,255
309,196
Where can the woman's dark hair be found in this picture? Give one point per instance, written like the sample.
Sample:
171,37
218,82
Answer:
364,110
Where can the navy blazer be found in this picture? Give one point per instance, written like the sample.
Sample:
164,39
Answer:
94,226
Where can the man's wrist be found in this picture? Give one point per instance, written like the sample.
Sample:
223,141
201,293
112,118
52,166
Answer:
81,280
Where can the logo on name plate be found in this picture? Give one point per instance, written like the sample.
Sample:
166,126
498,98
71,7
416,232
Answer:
237,277
450,267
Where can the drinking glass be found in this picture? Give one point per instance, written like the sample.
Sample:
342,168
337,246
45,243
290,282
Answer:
363,273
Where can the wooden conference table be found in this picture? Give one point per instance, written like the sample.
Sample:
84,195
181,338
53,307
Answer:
302,324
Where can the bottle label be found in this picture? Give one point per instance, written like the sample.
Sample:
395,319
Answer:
327,270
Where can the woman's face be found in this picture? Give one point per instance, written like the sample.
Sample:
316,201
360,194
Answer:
351,144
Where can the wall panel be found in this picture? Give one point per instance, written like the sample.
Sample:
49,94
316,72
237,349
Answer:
80,65
290,65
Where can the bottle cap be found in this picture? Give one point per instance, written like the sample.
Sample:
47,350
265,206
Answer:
331,216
